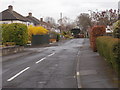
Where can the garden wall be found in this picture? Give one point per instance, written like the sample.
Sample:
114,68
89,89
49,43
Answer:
11,50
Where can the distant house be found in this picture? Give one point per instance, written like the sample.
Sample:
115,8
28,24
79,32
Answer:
11,16
34,20
46,25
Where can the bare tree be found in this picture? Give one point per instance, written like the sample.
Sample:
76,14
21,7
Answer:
84,21
66,24
50,20
107,17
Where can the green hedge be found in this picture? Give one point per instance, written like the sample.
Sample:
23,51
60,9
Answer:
109,48
15,32
116,29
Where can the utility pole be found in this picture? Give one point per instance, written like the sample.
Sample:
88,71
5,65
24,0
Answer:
61,22
61,17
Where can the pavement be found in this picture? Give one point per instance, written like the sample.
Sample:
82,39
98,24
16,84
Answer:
93,71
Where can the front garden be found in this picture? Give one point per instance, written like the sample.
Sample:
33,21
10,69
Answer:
20,35
107,46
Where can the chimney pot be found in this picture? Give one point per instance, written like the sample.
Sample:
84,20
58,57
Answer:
10,7
41,19
30,14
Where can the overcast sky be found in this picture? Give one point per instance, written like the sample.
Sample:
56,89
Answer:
52,8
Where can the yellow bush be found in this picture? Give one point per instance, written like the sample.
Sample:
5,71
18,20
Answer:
36,30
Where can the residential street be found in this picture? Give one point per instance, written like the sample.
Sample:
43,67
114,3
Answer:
71,44
47,67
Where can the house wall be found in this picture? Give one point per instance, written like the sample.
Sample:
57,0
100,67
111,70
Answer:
5,22
9,22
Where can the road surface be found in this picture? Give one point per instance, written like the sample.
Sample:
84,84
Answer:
49,67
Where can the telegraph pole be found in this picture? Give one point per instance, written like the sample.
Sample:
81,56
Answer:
61,17
61,22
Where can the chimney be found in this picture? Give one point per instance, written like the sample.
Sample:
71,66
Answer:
10,7
30,14
41,19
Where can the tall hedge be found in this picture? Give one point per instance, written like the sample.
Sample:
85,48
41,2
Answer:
95,32
116,29
109,48
15,32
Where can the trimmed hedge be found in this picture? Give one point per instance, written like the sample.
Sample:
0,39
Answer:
109,48
15,32
94,33
116,31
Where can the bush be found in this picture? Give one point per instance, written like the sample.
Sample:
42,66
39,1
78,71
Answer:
95,32
15,32
116,29
36,30
109,48
2,26
98,31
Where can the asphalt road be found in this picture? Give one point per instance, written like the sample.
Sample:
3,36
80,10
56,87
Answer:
49,67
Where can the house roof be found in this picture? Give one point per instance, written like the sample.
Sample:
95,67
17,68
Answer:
9,14
47,24
33,19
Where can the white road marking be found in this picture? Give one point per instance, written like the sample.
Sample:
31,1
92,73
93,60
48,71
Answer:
41,82
78,80
78,73
44,58
41,60
18,74
74,76
51,54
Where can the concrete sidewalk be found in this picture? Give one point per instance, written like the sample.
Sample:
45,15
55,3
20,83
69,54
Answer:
93,71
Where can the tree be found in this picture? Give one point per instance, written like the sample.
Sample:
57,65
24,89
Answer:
51,21
66,24
107,17
84,21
